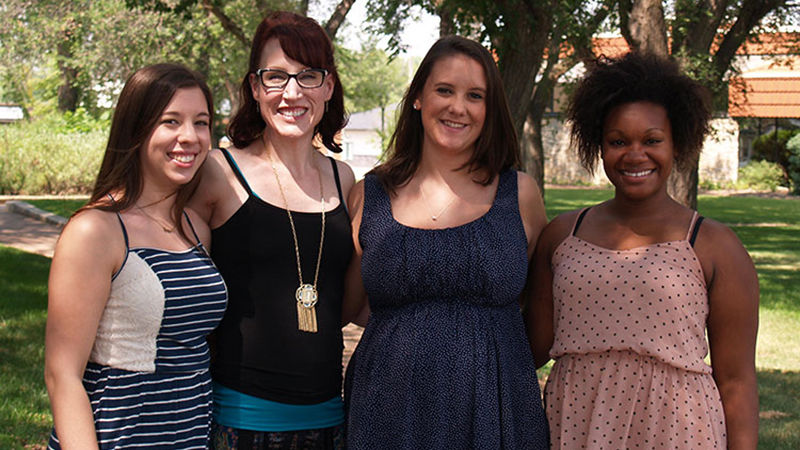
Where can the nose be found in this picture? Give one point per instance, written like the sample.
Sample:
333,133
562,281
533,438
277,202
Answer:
457,105
635,152
188,133
292,89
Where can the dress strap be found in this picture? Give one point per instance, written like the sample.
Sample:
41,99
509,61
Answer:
579,220
191,227
694,228
237,172
338,184
127,245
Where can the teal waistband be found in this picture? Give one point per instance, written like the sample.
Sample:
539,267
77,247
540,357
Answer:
235,409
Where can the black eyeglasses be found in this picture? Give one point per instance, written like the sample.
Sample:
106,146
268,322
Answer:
276,78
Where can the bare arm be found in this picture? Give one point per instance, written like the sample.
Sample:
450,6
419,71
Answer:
78,289
355,297
539,313
531,209
732,328
212,179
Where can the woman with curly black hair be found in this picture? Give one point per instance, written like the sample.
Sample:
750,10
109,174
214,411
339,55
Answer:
625,291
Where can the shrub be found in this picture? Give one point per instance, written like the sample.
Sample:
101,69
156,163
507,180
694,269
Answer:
761,176
764,147
793,168
54,155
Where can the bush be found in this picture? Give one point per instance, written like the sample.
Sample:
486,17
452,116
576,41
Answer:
59,154
764,147
761,176
793,168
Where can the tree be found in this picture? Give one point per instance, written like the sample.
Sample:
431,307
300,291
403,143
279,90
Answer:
370,78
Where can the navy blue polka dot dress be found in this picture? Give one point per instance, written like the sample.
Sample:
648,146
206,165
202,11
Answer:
444,361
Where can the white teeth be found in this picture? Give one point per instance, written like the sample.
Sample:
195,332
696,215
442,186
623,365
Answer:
453,124
183,158
292,112
637,174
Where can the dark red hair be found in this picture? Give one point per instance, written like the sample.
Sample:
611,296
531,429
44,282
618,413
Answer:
303,40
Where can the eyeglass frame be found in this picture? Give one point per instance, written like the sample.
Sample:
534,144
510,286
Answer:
290,76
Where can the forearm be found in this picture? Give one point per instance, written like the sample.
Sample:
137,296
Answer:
740,403
72,413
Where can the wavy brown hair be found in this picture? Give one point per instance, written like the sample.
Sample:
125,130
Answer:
496,148
638,77
303,40
143,99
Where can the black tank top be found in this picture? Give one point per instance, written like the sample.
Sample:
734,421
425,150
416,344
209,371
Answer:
258,349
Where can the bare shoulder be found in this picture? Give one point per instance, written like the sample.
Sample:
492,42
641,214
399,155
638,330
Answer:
557,230
91,236
526,185
717,244
355,201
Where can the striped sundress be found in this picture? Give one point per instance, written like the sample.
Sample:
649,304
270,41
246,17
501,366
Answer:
147,377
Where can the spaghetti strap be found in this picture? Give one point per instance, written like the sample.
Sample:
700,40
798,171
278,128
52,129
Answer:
191,227
127,244
694,228
338,184
579,220
237,172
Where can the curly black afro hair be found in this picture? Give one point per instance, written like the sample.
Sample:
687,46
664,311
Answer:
636,77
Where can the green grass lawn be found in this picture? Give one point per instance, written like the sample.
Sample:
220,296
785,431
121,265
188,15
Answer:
769,229
63,208
24,407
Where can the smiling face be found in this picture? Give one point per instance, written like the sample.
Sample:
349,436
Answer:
291,111
453,105
638,151
180,141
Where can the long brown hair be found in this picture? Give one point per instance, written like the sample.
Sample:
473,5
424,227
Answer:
143,99
496,148
303,40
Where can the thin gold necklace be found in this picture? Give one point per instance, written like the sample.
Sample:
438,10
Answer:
435,217
306,295
167,229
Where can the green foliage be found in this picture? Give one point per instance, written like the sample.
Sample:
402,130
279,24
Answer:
62,207
51,156
760,175
793,163
24,409
371,79
766,147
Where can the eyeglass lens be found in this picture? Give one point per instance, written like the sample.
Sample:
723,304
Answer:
309,78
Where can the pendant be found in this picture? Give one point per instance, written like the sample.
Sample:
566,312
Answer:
306,296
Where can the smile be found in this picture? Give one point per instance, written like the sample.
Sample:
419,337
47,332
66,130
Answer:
642,173
453,124
292,112
184,158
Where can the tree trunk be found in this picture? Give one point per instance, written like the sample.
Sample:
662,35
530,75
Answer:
682,186
67,91
643,26
337,17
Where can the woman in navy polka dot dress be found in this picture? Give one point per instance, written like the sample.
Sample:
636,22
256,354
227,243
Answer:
445,228
625,291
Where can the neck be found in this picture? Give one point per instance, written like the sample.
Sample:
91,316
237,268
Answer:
647,208
442,168
297,155
160,201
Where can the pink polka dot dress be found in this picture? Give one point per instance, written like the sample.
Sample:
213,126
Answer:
629,348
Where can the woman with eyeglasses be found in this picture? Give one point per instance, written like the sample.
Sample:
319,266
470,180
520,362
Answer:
282,242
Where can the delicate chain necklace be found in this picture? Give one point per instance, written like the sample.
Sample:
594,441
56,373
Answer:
306,295
167,229
435,217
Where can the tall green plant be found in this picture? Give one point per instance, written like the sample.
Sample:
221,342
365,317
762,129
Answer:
793,166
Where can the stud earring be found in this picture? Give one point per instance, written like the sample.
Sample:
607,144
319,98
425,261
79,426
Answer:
415,106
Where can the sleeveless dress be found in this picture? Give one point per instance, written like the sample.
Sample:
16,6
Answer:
629,348
444,361
147,377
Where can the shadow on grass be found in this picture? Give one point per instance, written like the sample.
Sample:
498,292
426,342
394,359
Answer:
24,408
779,399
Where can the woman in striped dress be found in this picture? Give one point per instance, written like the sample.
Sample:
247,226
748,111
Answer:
132,291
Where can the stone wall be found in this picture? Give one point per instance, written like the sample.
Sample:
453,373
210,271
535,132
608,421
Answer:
719,161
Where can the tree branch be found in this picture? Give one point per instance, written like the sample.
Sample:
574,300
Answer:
226,22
